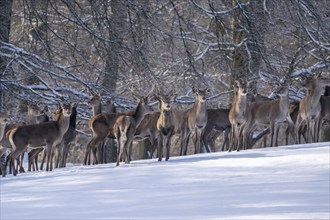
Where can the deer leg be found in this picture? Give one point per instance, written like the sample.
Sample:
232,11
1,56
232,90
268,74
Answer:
186,142
307,131
43,159
317,129
10,160
205,142
95,158
239,138
300,125
65,155
160,146
195,141
272,129
168,145
198,147
48,155
35,161
119,154
232,135
21,167
87,153
57,156
277,129
31,164
183,141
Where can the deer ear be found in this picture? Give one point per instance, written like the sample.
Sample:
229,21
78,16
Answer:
237,83
194,89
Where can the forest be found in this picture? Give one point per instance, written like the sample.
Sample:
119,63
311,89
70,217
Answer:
71,50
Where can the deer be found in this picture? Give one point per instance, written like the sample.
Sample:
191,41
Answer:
68,137
271,113
4,141
148,129
325,110
217,119
290,130
170,122
310,108
125,128
46,133
196,121
102,127
97,107
238,115
35,115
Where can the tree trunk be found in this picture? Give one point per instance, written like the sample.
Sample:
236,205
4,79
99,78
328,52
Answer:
5,19
247,58
111,70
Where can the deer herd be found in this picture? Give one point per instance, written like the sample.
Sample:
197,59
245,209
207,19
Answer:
241,125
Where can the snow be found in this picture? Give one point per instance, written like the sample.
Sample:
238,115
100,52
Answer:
289,182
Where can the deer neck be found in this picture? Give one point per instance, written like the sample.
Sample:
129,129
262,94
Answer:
165,118
241,103
73,117
97,109
31,117
139,114
63,123
284,103
315,95
200,107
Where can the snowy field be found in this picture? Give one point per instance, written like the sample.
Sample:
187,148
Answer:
290,182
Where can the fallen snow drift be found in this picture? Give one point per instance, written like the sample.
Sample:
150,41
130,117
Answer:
290,182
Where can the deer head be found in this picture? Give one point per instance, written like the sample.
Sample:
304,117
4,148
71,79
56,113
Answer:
241,87
200,94
165,100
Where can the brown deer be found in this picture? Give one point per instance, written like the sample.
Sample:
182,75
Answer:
4,141
102,127
196,121
217,119
97,107
36,115
325,110
46,133
170,122
125,128
68,137
290,130
96,103
148,129
310,108
238,115
270,113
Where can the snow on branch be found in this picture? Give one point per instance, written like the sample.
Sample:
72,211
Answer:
34,65
309,70
218,13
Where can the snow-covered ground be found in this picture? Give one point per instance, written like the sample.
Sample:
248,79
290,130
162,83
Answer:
290,182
